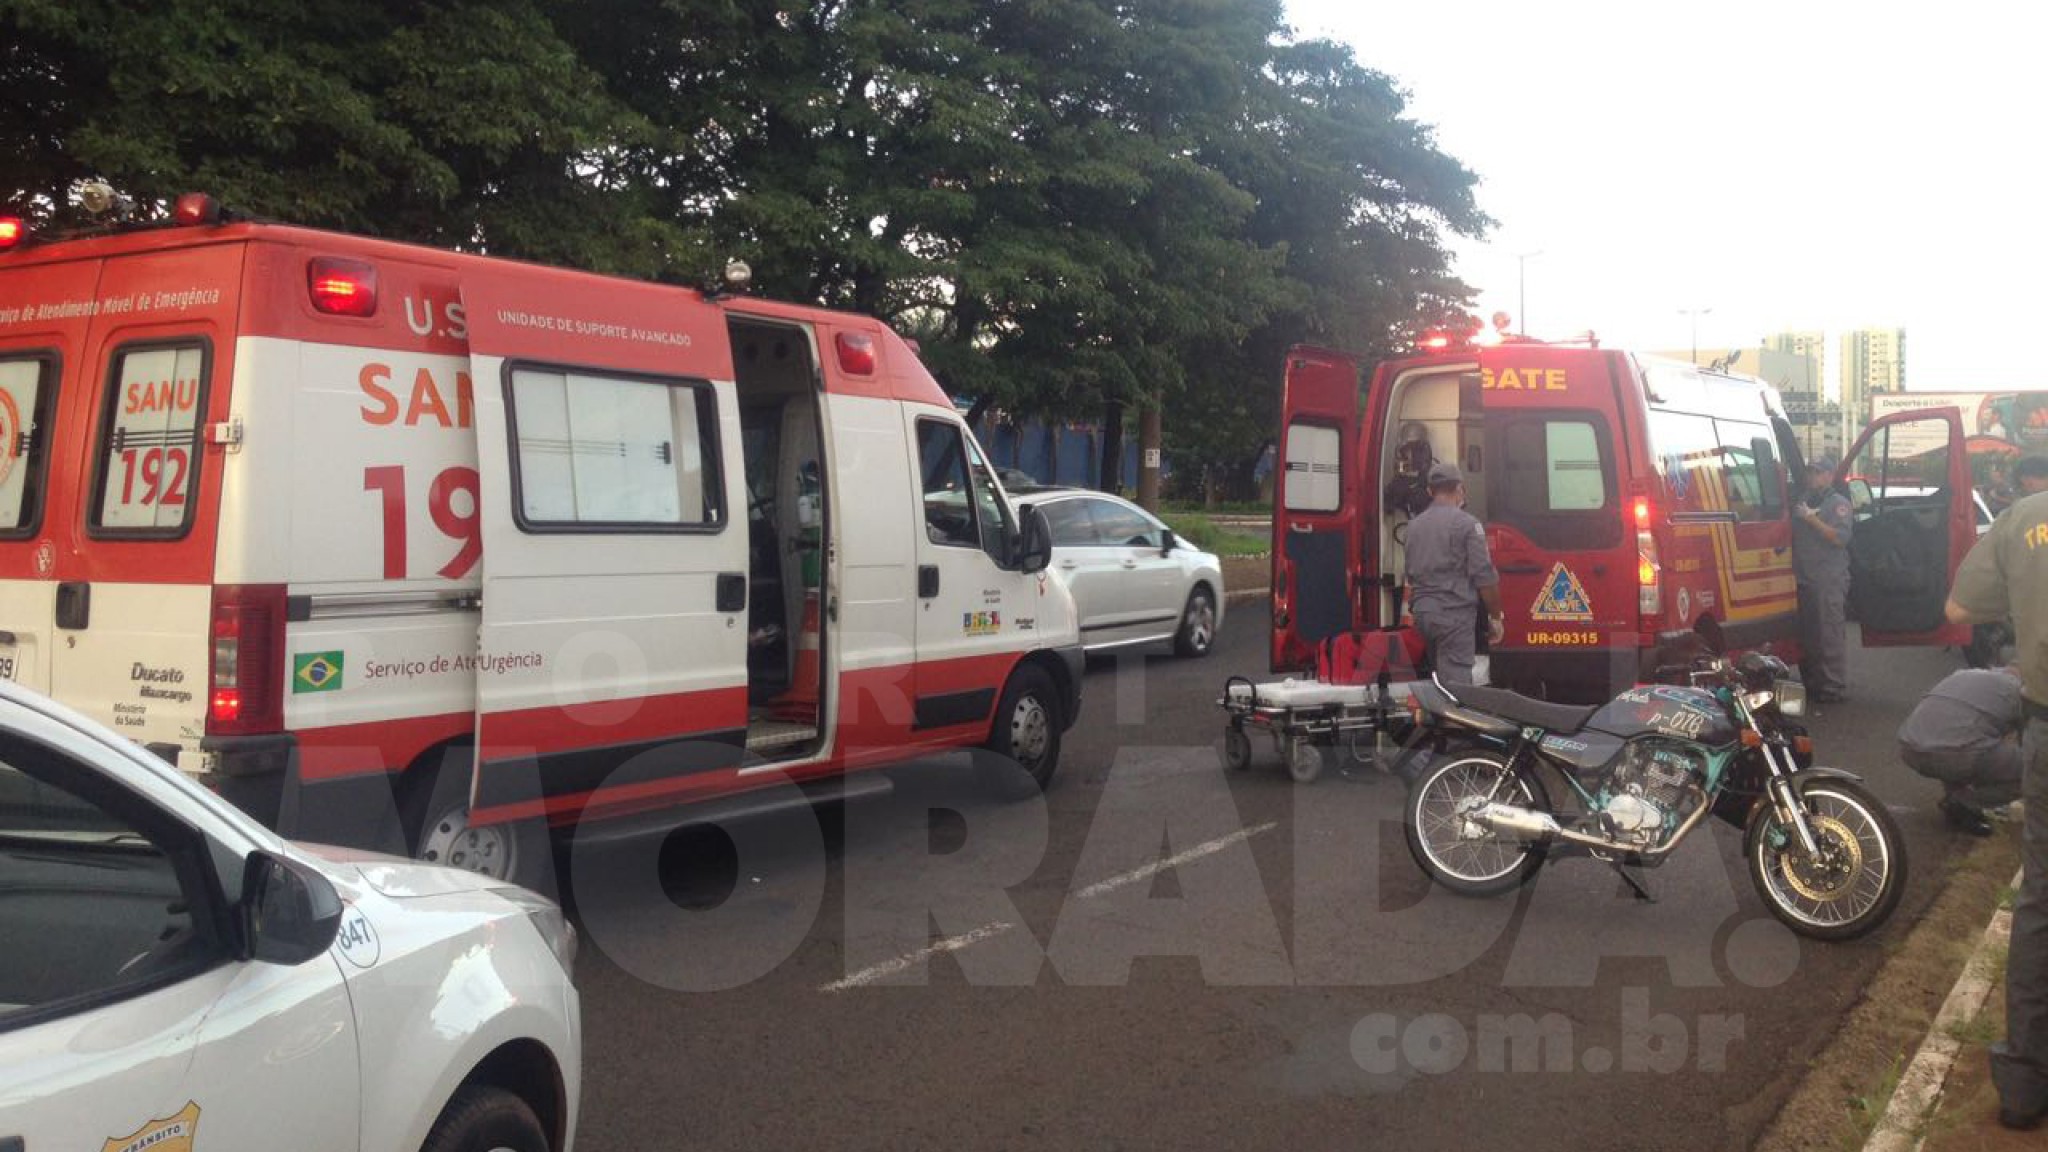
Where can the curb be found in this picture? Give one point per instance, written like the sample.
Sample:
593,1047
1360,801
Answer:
1246,594
1905,1117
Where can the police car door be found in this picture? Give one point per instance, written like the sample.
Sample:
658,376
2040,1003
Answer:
1318,518
1909,486
613,647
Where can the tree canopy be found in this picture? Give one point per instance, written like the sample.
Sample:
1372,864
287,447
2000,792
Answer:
1075,205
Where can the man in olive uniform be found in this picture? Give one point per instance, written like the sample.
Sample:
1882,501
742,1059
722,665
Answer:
1821,526
1450,575
2006,574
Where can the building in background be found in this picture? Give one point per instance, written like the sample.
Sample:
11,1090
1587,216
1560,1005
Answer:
1873,361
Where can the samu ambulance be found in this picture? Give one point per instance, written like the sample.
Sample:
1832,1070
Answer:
1629,503
330,520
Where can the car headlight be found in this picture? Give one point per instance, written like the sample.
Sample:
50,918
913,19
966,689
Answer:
547,918
1791,697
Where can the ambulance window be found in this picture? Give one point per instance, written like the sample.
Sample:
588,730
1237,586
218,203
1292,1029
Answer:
1311,480
949,511
1553,480
988,505
594,451
149,449
27,385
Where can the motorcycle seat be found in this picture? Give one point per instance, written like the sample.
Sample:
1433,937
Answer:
1524,710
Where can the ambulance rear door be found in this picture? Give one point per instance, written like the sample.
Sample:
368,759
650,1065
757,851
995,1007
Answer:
612,666
135,494
1319,509
1909,486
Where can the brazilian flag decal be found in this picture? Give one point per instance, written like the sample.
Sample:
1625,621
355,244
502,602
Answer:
316,672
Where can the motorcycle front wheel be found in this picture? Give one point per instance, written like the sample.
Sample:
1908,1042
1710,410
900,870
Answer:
1852,885
1456,852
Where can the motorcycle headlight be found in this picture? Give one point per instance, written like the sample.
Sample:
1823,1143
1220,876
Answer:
1791,697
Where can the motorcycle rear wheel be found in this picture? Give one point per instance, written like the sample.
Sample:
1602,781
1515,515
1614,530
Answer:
1855,884
1455,853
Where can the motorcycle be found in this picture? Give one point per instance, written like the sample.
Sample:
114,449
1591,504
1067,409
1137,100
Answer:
1644,771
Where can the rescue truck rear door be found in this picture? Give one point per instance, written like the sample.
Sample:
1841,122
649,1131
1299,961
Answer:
1909,486
612,661
1318,506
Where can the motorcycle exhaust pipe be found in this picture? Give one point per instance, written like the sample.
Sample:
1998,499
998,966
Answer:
1529,824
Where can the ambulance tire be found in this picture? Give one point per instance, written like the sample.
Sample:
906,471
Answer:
482,1118
1025,736
434,808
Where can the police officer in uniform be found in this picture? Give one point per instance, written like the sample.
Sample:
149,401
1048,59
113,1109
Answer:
2006,574
1450,576
1965,734
1821,526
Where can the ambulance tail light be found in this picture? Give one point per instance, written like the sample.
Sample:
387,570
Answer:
342,287
1649,571
245,692
13,230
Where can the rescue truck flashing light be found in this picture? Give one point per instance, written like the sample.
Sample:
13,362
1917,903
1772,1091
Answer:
342,287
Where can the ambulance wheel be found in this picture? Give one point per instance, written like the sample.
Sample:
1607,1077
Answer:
438,829
481,1118
1025,735
1237,749
1304,760
1197,624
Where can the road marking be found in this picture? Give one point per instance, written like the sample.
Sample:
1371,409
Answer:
1157,866
888,968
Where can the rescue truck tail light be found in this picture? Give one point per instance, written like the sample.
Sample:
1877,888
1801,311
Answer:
856,353
342,287
245,694
12,232
194,209
1649,572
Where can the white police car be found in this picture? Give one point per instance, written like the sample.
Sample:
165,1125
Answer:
174,977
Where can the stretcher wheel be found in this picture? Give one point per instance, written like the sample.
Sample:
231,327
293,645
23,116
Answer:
1304,760
1237,749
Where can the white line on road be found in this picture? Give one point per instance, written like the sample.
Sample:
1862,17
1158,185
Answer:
1174,861
888,968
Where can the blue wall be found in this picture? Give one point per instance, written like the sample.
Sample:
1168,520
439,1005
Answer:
1031,448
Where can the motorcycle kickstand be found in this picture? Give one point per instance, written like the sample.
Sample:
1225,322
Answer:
1642,893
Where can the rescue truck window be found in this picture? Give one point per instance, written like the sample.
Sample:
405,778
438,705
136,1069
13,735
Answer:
1310,480
1751,483
149,451
106,905
24,388
1554,480
597,450
949,517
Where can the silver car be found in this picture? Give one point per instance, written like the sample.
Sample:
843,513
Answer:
1134,581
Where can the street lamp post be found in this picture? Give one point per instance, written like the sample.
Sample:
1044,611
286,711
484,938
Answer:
1695,313
1522,287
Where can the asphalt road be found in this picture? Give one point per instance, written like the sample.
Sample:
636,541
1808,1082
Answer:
932,969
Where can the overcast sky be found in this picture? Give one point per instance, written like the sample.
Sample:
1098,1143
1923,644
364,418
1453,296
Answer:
1789,165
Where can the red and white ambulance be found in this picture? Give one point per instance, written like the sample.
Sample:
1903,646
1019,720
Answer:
1629,503
331,521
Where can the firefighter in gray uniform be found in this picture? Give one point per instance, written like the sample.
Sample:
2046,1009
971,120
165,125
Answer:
1450,576
2006,573
1821,526
1965,734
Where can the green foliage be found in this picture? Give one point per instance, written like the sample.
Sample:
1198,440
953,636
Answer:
1209,536
1075,206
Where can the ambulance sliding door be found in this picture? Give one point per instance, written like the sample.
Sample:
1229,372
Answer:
612,664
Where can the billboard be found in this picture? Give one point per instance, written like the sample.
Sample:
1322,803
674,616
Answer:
1994,421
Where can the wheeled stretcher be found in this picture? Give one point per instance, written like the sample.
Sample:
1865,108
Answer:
1317,725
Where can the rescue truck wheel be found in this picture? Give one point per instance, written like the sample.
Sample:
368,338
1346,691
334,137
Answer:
1025,735
1237,749
1197,624
481,1118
